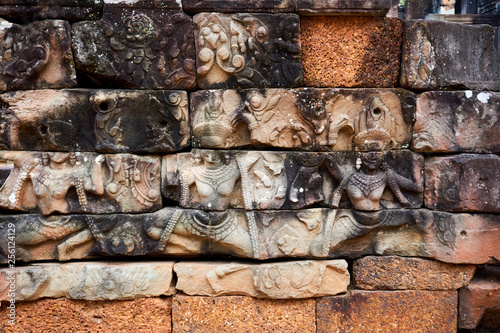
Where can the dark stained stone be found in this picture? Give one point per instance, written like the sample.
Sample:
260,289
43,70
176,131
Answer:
70,10
343,7
238,6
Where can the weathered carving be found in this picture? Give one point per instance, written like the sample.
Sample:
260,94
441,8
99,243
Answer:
74,182
71,10
37,55
311,119
136,46
247,50
238,6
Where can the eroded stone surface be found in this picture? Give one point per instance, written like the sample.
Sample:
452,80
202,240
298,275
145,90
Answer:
137,44
351,51
305,118
63,315
388,311
464,182
82,182
90,281
36,56
95,120
439,55
245,314
248,50
284,280
343,7
457,121
71,10
479,302
391,272
238,6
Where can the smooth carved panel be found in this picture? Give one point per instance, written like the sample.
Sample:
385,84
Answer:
310,233
303,118
82,183
90,281
36,56
283,280
247,50
365,181
94,120
137,45
71,10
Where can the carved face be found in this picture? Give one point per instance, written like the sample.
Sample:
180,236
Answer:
58,157
372,160
211,157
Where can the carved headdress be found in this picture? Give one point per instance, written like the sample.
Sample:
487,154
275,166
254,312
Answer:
372,128
213,131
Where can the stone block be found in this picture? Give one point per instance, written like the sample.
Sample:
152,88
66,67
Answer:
394,273
419,9
457,121
464,182
238,6
70,10
351,51
367,181
248,50
82,183
63,315
94,281
479,302
343,7
137,44
243,314
283,280
303,118
445,55
95,120
36,55
388,311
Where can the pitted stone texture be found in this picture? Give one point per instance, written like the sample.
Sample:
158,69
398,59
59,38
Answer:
137,44
82,183
303,118
388,311
343,7
243,314
36,56
90,281
248,50
479,302
464,182
284,280
238,6
351,51
394,273
71,10
419,9
95,120
457,121
63,315
439,55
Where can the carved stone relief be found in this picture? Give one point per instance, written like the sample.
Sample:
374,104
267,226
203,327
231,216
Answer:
82,182
71,10
304,118
247,50
36,56
137,46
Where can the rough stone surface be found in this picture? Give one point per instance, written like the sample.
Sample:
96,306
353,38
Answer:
388,311
90,281
479,302
303,118
244,314
343,7
390,272
248,50
137,44
71,10
465,182
351,51
438,55
419,9
284,280
82,182
457,121
238,6
36,56
63,315
95,120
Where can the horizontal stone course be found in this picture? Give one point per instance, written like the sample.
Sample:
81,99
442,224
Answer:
237,6
71,10
343,7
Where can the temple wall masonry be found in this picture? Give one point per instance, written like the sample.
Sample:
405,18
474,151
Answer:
247,166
